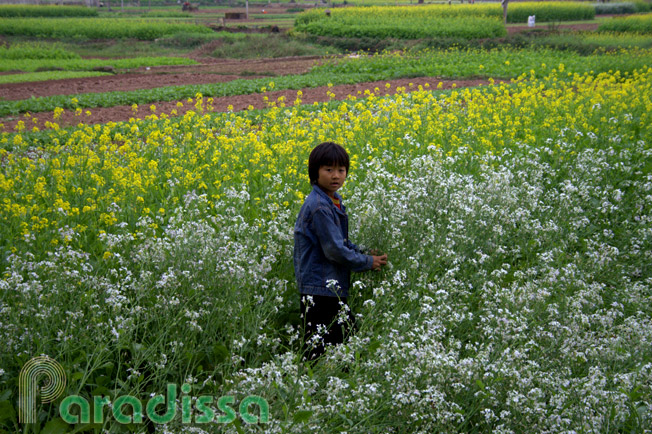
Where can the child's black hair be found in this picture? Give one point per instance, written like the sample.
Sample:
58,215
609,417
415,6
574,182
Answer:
326,154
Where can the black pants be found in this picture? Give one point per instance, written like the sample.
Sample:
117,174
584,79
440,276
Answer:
320,318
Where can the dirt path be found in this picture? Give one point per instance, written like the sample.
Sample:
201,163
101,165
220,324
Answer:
577,26
101,115
208,71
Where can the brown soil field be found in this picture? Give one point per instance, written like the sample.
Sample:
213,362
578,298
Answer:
101,115
209,70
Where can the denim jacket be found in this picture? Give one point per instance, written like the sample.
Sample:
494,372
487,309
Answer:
322,250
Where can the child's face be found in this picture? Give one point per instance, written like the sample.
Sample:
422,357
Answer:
331,178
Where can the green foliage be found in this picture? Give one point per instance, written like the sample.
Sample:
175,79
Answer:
549,11
354,44
48,75
643,5
35,50
434,16
500,62
583,43
406,28
261,45
30,65
589,42
634,24
95,28
615,8
187,40
24,11
118,48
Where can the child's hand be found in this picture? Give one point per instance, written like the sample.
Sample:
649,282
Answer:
379,261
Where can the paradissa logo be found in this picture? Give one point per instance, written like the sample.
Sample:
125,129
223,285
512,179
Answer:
202,406
159,409
38,369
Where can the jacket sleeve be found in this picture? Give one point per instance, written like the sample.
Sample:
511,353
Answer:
356,248
335,248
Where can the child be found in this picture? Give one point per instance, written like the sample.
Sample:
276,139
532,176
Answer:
323,255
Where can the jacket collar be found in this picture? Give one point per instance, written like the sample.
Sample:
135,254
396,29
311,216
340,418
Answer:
325,196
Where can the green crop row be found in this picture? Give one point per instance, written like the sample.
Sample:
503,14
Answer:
31,65
609,39
548,11
38,50
517,12
95,28
504,63
406,28
589,42
643,5
23,11
633,24
615,8
48,75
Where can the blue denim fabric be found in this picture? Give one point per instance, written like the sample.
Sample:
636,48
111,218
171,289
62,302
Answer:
322,250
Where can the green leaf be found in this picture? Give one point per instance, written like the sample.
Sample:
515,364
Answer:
80,360
102,390
108,366
90,427
102,380
220,353
4,396
302,416
7,411
373,346
56,426
237,423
